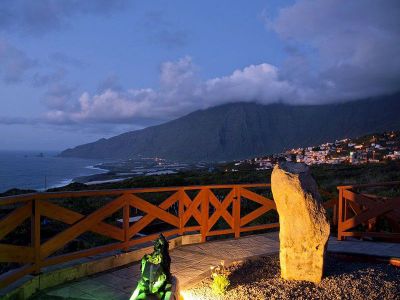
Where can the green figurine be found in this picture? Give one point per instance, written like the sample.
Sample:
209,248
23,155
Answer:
155,281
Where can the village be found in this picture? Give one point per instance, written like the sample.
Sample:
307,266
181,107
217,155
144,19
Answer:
374,148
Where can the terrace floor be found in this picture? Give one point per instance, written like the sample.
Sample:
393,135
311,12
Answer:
192,262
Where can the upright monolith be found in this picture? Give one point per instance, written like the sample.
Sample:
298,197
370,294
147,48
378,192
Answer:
304,228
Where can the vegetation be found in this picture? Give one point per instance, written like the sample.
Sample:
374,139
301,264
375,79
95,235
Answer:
220,279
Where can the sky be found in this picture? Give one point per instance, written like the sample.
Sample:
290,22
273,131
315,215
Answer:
73,71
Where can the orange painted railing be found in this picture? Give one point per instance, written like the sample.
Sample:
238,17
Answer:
360,212
331,203
183,210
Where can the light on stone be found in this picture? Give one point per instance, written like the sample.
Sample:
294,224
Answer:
304,228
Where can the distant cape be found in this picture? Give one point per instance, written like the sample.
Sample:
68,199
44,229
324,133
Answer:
241,130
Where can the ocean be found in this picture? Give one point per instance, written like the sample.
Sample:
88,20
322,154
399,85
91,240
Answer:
31,170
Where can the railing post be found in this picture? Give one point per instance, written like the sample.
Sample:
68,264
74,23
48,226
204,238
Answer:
126,217
236,212
335,213
340,216
204,215
181,210
35,233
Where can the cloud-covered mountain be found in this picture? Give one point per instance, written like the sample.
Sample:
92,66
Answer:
240,130
346,51
72,70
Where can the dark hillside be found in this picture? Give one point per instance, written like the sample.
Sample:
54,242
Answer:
241,130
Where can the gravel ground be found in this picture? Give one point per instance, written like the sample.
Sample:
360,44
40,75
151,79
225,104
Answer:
260,279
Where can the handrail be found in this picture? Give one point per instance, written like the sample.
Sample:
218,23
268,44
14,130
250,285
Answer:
360,209
378,184
48,195
205,209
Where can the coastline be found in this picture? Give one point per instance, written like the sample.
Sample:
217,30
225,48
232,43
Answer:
25,170
68,181
42,170
122,170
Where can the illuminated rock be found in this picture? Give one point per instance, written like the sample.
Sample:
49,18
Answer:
304,228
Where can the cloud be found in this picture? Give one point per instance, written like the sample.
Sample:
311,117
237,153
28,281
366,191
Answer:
14,63
170,39
59,95
41,79
254,83
63,59
178,85
107,107
180,92
162,32
42,16
6,120
111,82
345,50
16,66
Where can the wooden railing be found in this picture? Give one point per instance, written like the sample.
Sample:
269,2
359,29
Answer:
182,210
364,214
331,203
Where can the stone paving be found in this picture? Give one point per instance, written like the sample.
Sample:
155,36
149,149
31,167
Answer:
365,247
192,262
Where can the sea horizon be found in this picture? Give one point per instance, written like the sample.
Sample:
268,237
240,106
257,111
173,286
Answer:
42,169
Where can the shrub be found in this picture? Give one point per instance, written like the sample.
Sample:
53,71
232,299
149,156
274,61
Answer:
221,282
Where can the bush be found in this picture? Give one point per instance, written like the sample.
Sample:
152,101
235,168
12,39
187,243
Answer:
221,282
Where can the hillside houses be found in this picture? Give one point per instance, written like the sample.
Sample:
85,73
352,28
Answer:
367,149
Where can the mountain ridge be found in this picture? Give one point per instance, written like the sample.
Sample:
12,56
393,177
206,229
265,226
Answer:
240,130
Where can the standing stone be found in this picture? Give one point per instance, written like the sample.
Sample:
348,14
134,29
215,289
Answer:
304,228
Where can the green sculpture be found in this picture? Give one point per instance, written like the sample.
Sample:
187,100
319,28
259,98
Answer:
155,281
